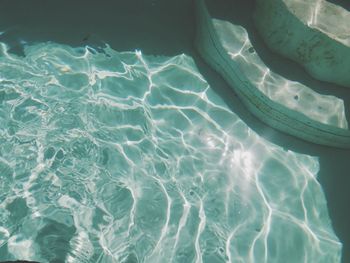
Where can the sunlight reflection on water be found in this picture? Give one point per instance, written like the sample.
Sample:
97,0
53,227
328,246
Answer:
121,157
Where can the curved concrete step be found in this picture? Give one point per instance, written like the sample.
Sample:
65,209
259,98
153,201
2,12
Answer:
314,33
284,105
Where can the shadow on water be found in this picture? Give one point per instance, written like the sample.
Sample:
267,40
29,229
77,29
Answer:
155,26
343,3
167,27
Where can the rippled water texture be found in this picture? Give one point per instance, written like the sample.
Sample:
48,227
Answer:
121,157
295,96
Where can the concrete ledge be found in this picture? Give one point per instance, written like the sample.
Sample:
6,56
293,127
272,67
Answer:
267,110
314,33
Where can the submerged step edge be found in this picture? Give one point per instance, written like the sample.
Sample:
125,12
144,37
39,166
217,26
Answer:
268,111
315,34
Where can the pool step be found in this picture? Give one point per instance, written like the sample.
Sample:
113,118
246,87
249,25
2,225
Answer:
285,105
314,33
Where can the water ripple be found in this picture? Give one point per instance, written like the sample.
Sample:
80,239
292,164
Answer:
121,157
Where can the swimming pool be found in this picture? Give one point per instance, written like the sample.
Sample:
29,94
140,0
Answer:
137,156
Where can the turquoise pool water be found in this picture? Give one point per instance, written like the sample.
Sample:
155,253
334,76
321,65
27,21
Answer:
63,154
124,157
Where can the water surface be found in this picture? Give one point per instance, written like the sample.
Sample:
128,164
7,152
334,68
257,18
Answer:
122,157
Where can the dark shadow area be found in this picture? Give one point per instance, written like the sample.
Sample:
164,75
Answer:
53,239
343,3
167,27
155,26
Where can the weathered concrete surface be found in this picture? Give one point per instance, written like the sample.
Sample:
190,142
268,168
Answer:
216,53
314,33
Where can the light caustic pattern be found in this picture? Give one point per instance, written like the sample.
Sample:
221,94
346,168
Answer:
120,157
326,109
325,16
